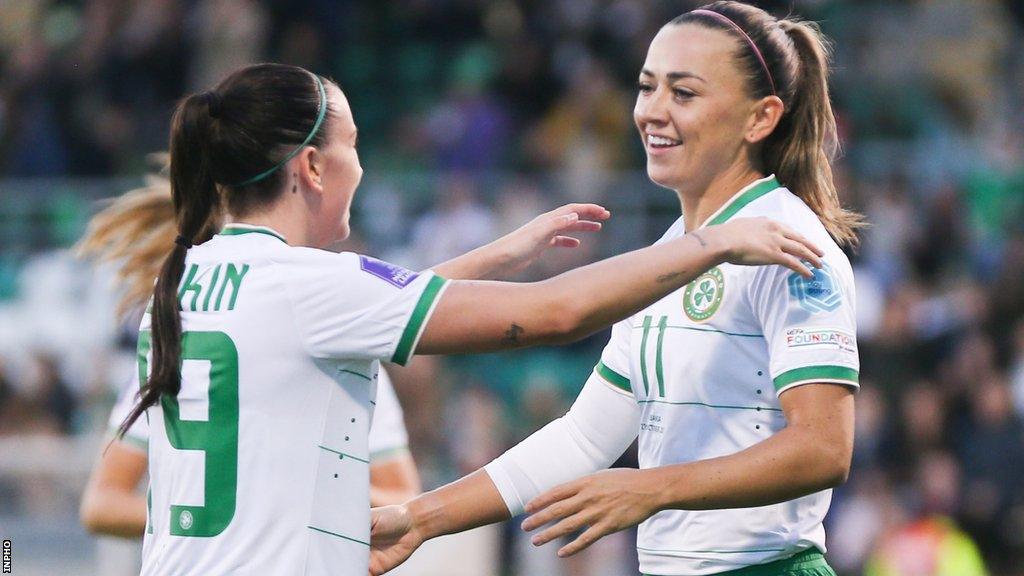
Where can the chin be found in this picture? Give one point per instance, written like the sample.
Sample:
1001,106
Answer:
662,177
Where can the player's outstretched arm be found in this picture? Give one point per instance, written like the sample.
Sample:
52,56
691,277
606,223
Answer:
810,454
518,249
477,316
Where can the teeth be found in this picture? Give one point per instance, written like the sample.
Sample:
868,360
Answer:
660,141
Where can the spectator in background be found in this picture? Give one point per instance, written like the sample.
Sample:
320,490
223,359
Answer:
456,224
927,542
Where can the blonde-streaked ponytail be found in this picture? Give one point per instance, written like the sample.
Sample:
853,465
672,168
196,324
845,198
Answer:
135,232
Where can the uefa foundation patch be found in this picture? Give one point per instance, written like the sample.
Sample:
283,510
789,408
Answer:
390,273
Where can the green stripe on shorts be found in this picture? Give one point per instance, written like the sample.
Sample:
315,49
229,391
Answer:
810,562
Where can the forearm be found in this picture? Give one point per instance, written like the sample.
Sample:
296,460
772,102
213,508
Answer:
790,464
465,504
483,263
607,291
114,512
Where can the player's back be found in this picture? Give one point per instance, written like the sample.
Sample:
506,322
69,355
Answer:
259,466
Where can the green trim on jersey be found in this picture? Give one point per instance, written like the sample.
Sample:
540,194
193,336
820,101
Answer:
643,355
343,537
239,229
612,377
343,454
354,373
715,406
739,202
419,315
808,374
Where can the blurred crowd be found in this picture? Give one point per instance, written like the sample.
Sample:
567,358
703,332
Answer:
475,115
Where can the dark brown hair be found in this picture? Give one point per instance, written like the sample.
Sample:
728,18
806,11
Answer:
251,121
801,148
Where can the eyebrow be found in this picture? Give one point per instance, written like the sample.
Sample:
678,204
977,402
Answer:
675,75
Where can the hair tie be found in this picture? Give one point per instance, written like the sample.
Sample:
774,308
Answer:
183,242
213,103
725,19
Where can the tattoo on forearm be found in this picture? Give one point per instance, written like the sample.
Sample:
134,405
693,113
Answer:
512,335
669,277
703,244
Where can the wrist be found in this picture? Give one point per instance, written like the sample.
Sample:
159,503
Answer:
714,242
424,516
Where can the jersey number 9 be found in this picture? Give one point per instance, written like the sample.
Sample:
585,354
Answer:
216,437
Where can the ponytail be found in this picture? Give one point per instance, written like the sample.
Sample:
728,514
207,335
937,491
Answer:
195,200
227,147
790,59
801,149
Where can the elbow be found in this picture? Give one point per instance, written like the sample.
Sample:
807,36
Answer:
565,320
837,466
90,515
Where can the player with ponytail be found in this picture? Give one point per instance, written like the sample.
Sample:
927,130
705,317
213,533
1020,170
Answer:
739,386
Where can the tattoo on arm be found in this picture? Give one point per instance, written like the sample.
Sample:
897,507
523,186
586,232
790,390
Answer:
512,335
703,244
669,277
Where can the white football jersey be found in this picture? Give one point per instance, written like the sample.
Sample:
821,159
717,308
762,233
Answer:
260,464
388,436
707,363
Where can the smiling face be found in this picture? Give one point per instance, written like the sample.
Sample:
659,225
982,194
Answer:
341,172
693,110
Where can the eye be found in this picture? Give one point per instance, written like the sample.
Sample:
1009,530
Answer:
644,87
682,93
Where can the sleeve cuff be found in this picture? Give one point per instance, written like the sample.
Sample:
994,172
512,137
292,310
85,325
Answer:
813,374
612,377
418,321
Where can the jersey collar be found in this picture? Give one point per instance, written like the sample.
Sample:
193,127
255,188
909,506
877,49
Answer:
236,228
748,194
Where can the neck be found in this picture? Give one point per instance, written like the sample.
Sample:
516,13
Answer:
283,218
700,202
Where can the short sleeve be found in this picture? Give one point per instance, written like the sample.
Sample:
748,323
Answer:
138,434
388,436
352,306
810,325
614,365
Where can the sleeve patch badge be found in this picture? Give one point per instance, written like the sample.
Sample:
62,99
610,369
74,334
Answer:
819,294
820,338
390,273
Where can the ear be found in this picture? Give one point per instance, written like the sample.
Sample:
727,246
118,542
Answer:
764,117
311,168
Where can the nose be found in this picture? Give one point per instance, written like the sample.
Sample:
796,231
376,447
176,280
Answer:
651,108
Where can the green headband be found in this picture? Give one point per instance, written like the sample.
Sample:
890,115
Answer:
321,113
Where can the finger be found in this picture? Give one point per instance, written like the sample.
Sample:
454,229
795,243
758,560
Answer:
583,226
566,526
561,492
795,265
585,210
589,536
802,252
555,511
565,242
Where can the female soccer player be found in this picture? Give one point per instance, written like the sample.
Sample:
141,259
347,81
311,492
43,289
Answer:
135,233
740,385
260,350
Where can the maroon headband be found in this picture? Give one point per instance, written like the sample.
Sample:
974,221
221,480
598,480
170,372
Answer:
724,18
